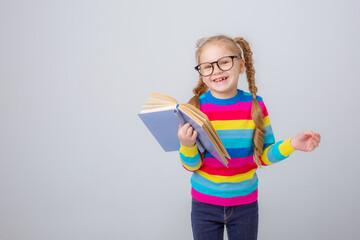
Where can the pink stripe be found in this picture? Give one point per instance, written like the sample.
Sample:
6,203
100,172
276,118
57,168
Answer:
233,162
229,115
252,197
240,106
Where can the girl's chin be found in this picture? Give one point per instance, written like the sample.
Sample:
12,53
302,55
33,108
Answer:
221,87
223,93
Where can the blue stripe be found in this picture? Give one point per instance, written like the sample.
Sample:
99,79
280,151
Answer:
269,139
190,161
242,133
268,130
226,190
235,133
267,144
248,97
241,152
241,96
217,101
274,154
237,143
235,152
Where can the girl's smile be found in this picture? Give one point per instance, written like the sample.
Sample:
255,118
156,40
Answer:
219,79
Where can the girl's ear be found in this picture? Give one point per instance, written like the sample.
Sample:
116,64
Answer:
242,65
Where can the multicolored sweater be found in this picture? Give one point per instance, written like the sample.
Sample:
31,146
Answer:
212,182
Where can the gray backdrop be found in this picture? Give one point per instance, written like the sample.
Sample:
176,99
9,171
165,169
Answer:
77,163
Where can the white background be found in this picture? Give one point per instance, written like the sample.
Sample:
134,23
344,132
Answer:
76,162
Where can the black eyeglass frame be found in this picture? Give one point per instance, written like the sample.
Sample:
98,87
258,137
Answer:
217,63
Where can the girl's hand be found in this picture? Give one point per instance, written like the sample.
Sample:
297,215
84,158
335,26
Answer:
187,135
305,141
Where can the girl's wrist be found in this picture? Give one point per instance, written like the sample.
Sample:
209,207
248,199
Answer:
291,142
187,146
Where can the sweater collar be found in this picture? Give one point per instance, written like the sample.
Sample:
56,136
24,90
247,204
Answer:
226,101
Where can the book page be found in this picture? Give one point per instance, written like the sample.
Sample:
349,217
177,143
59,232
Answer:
151,101
163,97
158,102
157,108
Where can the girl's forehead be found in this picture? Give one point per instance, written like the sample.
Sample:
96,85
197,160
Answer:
213,51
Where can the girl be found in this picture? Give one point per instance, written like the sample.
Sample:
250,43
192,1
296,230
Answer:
228,196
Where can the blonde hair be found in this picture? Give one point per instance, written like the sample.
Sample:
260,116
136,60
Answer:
240,47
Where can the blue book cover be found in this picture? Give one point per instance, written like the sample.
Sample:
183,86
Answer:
164,122
164,127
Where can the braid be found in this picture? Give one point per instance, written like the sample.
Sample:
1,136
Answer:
200,89
256,112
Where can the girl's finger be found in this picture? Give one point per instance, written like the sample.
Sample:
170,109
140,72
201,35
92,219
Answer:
194,136
189,131
308,133
316,138
185,127
316,143
310,147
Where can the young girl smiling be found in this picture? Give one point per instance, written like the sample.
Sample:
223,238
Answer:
228,196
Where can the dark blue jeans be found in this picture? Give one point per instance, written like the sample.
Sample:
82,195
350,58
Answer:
208,221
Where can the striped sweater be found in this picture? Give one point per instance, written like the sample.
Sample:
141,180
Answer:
238,184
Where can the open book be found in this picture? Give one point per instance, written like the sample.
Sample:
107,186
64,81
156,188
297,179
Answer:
162,115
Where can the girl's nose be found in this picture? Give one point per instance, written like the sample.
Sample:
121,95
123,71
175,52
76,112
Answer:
217,70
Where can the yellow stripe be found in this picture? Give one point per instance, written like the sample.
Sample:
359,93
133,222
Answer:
266,121
264,157
192,169
238,124
285,148
189,151
222,179
233,124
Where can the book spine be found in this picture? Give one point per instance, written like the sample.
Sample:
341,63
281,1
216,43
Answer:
178,114
200,146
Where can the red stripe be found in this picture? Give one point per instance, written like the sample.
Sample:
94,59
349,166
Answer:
228,115
265,112
231,171
233,162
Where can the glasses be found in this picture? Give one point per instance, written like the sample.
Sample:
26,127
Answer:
224,64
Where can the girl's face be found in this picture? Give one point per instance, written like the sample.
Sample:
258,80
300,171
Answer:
222,84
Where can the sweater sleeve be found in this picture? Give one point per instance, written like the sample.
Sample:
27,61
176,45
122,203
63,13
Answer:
273,151
190,158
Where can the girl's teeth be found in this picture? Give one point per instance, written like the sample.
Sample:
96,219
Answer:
220,79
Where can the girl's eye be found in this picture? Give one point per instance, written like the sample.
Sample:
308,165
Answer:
208,66
224,62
